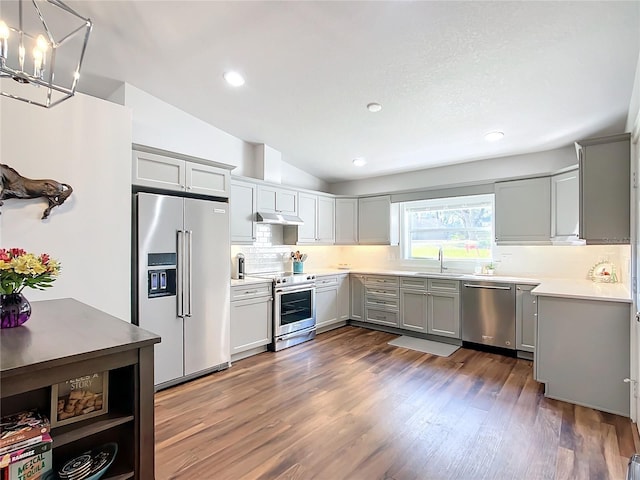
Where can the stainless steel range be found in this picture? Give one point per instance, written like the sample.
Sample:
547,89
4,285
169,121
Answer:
294,309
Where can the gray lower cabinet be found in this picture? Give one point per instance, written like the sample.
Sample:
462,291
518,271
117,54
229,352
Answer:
413,305
356,294
526,318
332,300
420,305
251,322
443,314
344,291
382,301
582,352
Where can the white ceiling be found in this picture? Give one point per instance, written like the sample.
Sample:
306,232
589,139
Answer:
545,73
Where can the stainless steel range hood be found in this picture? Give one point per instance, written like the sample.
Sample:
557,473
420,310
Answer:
278,219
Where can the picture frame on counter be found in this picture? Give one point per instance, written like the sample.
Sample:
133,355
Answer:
79,398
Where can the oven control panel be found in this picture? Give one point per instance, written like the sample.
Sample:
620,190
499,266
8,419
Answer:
291,279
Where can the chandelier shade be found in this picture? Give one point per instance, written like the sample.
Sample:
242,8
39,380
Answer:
42,46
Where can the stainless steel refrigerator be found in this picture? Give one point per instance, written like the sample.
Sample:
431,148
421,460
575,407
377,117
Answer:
183,271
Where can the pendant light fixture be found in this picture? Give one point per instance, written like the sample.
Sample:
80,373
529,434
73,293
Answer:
42,45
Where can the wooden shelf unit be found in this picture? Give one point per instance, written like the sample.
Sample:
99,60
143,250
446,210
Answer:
66,339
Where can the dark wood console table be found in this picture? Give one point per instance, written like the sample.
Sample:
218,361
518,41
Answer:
66,339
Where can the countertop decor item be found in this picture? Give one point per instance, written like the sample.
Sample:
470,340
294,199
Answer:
19,269
14,185
298,261
38,43
603,272
79,398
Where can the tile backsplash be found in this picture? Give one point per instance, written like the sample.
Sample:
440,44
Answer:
268,254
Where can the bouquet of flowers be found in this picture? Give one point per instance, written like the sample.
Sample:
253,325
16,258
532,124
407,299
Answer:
19,269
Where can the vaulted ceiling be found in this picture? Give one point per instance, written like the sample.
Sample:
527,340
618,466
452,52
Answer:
445,73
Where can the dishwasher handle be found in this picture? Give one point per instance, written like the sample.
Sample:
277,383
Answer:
490,287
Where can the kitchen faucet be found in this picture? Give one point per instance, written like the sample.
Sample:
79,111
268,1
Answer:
441,259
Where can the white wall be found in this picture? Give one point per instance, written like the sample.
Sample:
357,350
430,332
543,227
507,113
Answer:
634,104
161,125
300,179
86,143
481,171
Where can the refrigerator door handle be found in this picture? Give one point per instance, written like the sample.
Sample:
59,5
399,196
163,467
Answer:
179,296
189,235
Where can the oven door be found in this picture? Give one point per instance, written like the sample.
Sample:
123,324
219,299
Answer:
294,309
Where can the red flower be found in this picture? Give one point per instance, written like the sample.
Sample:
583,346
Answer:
44,258
4,255
16,252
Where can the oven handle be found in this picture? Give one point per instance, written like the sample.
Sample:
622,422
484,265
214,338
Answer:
305,288
299,333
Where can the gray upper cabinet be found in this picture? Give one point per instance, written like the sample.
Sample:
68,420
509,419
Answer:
326,219
346,221
377,221
207,180
158,171
565,201
243,208
523,211
277,200
318,214
605,184
171,171
308,211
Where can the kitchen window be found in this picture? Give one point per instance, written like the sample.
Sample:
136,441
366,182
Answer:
462,226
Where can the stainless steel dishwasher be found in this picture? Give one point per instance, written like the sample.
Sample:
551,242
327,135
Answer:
489,313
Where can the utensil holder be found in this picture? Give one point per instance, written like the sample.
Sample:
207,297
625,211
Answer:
297,267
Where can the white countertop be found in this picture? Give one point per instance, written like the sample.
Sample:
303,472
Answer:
550,287
583,289
248,281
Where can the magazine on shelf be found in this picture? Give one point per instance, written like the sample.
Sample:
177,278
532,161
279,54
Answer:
38,448
22,426
36,467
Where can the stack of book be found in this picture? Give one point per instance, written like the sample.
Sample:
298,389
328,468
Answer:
25,446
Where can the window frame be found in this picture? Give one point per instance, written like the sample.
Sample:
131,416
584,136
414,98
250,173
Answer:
433,262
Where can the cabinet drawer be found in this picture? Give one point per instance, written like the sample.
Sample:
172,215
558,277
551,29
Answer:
385,303
382,317
441,285
381,292
382,281
326,282
413,283
250,291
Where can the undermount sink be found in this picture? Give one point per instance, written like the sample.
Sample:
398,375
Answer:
434,274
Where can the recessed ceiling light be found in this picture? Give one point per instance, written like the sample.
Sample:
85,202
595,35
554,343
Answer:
374,107
359,162
493,136
234,79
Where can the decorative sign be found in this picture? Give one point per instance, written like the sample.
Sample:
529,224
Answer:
79,398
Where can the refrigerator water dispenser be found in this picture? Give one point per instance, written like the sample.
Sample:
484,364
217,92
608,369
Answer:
161,282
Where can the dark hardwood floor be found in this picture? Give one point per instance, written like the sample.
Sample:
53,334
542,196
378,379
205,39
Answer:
349,406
